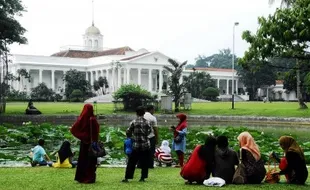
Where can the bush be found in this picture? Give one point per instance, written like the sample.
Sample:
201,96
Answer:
15,95
76,96
211,93
42,93
132,96
57,97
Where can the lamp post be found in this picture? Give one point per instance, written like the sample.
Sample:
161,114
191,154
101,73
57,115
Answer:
233,69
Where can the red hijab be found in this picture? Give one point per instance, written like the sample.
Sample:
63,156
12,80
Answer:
182,124
83,125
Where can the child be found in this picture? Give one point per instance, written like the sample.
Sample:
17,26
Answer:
128,145
163,154
64,156
39,155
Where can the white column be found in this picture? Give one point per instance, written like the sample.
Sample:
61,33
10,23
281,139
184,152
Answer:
91,78
97,74
160,80
107,77
150,80
64,84
53,79
218,83
102,73
128,75
237,81
119,72
227,86
112,80
139,76
40,76
86,75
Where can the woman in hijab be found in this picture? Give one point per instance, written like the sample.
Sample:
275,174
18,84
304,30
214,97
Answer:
86,128
179,141
64,156
296,169
199,165
251,158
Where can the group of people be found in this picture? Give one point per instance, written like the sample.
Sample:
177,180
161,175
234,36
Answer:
214,157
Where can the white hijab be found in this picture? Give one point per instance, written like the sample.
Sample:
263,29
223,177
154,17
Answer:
165,147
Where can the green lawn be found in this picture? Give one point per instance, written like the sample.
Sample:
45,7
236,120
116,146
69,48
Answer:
109,178
282,109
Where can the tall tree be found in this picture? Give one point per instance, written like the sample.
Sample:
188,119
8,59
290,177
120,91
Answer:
284,3
174,81
223,59
283,34
10,32
103,83
197,82
76,80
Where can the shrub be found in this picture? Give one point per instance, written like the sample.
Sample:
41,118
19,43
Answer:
42,93
76,96
132,96
211,93
15,95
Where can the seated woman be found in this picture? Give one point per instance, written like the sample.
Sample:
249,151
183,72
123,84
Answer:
295,167
31,110
199,165
251,158
163,154
64,157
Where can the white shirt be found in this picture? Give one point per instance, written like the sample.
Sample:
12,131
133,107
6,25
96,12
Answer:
153,121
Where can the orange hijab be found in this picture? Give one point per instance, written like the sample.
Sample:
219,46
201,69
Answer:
290,145
247,142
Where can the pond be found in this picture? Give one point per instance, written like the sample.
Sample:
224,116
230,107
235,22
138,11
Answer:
16,141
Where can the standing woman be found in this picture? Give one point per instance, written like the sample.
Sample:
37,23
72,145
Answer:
296,169
82,128
179,141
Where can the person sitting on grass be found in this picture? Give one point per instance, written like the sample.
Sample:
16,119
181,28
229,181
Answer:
128,146
39,156
163,154
225,160
200,163
296,169
64,157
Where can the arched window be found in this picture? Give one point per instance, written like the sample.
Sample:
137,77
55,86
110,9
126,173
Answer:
90,44
96,43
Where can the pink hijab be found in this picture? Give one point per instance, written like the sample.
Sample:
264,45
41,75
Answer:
247,142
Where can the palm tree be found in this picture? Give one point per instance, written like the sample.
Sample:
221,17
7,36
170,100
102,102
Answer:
174,81
284,3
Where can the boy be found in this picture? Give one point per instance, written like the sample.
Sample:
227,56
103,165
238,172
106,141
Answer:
39,155
225,160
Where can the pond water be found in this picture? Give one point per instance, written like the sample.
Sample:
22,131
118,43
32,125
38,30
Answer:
13,154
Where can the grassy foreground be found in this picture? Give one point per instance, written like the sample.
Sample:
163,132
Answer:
281,109
109,178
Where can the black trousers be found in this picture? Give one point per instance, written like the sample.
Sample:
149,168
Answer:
138,156
152,152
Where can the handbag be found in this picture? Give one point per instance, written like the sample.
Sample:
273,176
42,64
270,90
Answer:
178,139
96,149
240,173
270,178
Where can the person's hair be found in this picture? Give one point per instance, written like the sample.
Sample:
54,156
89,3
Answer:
206,151
41,142
149,108
128,135
140,111
222,141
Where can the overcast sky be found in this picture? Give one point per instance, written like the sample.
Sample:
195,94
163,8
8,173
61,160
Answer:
181,29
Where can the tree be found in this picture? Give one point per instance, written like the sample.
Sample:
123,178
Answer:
42,93
197,82
284,3
103,83
96,85
255,75
132,96
10,32
76,95
211,93
76,80
283,34
223,59
174,81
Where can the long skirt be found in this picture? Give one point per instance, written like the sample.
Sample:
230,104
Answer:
86,167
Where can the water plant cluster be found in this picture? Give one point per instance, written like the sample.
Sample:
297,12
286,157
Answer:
17,141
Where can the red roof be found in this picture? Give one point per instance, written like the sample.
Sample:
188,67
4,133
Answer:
210,69
89,54
132,57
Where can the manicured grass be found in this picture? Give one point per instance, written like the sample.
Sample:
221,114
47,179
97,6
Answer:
281,109
109,178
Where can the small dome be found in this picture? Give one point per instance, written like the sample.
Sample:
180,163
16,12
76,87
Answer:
92,30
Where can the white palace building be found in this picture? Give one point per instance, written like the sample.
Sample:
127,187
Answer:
119,65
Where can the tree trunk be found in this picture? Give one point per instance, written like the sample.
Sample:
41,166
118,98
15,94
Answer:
176,104
301,102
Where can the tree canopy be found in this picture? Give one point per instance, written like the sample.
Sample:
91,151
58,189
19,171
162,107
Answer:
76,80
223,59
197,82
